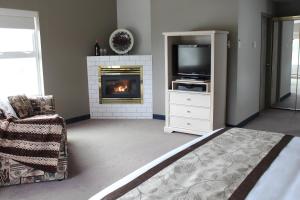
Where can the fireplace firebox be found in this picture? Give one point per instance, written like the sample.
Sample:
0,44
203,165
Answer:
120,84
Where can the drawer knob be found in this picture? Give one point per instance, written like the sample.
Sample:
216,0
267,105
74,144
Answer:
188,124
188,99
188,111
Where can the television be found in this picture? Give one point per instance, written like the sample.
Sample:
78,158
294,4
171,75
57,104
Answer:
192,61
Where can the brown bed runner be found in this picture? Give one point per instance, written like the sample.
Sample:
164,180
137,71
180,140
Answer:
225,165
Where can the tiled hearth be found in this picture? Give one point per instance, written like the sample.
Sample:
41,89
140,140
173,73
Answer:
100,110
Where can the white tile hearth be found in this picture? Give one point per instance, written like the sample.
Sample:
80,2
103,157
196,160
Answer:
120,111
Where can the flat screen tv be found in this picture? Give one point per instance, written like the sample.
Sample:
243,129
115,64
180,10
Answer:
192,61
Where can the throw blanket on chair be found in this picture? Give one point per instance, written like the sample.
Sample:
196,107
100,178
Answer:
33,141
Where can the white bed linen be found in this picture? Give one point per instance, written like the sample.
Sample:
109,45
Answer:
282,180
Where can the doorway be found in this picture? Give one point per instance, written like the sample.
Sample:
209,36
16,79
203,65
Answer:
265,61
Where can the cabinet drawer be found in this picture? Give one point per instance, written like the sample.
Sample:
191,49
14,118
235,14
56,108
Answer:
202,100
189,111
190,124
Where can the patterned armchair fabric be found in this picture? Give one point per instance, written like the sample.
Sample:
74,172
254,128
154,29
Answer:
43,105
14,173
2,114
21,105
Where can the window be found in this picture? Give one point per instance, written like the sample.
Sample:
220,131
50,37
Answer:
20,53
295,51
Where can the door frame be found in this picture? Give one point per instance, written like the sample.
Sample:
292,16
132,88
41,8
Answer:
266,62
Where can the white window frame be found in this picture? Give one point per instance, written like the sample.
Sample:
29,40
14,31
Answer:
37,43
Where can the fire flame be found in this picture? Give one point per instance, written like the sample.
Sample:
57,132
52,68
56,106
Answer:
122,87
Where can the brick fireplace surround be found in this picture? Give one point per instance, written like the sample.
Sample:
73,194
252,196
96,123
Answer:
120,111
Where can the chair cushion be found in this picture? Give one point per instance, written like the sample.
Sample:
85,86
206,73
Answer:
2,115
22,106
7,108
43,105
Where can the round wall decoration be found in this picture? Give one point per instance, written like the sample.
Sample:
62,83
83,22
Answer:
121,41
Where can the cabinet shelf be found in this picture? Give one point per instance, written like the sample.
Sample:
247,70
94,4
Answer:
191,86
195,106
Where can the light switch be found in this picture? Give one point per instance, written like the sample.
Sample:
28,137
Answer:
239,44
228,44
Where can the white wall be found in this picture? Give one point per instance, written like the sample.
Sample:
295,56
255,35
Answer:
69,29
286,57
135,15
242,18
189,15
248,61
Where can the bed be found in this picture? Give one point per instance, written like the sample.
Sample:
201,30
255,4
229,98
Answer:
227,164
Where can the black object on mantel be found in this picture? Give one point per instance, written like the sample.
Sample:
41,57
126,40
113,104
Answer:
97,49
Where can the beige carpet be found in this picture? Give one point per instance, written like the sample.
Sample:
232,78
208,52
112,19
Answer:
102,152
275,120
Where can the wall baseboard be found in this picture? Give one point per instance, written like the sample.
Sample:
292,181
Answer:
78,119
285,96
159,117
245,122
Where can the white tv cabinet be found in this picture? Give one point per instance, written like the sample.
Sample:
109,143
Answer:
190,111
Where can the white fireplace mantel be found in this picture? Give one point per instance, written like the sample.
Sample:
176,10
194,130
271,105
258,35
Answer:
120,111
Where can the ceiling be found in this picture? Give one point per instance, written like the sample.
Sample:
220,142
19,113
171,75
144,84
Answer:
283,1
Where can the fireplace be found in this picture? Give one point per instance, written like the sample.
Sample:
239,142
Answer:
120,85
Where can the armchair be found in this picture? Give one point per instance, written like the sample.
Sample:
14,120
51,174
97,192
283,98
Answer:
12,171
